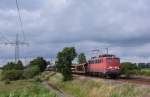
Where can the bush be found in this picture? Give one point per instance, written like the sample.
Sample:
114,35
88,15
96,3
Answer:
11,74
31,71
13,66
40,62
128,69
7,82
37,79
12,71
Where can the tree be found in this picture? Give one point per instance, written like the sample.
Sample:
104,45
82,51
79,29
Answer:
19,65
64,62
40,62
81,58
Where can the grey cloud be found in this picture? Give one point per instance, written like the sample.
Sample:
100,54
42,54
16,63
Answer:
24,4
50,25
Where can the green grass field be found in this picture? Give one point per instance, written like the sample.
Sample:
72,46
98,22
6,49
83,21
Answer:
84,87
24,88
145,72
0,74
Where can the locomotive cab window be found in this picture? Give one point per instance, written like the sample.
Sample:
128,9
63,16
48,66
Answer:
99,61
109,60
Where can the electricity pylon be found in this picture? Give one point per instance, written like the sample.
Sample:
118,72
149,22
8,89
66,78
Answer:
17,45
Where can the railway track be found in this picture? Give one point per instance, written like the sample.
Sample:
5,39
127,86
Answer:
138,80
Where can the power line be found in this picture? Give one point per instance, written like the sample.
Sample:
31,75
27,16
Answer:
4,37
17,44
20,20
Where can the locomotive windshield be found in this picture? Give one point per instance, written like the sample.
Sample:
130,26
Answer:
109,60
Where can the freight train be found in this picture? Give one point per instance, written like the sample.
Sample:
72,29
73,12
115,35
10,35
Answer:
103,65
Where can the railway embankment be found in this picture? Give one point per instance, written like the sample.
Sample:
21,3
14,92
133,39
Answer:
82,86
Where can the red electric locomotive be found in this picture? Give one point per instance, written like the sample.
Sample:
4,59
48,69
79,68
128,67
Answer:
106,65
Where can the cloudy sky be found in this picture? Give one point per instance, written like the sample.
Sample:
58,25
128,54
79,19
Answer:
123,26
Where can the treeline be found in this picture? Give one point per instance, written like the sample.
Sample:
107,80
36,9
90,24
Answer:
128,69
143,65
16,71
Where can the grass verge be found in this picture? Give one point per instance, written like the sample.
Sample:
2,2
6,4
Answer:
145,72
24,88
84,87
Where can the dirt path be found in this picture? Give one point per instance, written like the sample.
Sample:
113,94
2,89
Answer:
56,90
53,89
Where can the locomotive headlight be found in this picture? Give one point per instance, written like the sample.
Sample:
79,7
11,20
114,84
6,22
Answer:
117,67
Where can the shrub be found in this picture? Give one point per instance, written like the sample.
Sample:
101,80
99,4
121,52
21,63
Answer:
11,74
7,82
40,62
37,79
12,71
31,71
13,66
128,69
